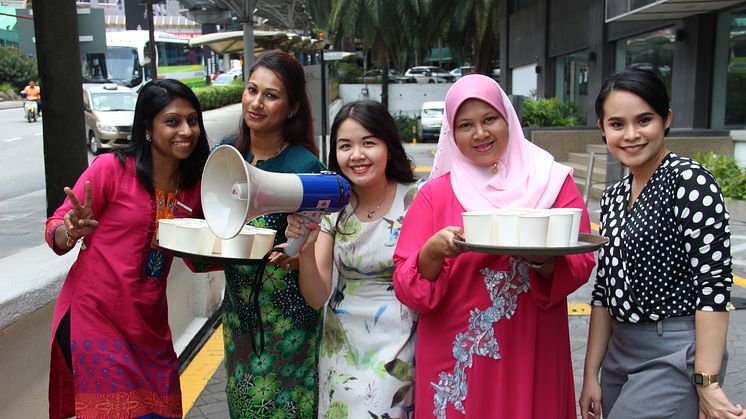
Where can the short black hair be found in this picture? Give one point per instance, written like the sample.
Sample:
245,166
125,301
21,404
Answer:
153,97
643,83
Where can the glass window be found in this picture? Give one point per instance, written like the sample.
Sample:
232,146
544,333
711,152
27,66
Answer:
735,91
572,78
652,51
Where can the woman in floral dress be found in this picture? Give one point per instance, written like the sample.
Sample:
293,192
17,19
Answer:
366,360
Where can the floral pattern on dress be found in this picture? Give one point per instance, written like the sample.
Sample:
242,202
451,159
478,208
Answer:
479,338
366,355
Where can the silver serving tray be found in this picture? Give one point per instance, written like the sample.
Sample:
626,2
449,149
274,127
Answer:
586,243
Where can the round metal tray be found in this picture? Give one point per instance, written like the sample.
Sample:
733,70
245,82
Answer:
213,258
586,243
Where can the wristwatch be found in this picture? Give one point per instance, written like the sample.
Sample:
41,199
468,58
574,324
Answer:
702,379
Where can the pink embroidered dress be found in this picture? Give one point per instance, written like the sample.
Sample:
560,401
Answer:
124,364
492,337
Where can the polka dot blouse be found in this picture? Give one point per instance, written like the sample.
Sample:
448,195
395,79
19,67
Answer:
668,255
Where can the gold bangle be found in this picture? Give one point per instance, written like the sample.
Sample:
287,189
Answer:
69,240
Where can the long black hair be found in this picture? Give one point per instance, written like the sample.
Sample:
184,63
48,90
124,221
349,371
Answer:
298,129
643,83
153,97
374,117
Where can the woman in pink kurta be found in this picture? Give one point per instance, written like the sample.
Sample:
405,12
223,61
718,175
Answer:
112,353
492,339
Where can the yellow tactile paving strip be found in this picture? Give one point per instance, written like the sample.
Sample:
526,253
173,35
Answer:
202,367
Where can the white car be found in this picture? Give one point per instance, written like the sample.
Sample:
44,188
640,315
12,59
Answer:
431,119
429,74
459,72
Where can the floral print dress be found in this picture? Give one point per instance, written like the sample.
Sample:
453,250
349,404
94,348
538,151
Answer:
366,359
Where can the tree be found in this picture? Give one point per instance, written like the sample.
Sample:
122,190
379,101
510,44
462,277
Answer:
381,25
470,22
17,69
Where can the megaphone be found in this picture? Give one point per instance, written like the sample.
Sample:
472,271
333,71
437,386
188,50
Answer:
234,192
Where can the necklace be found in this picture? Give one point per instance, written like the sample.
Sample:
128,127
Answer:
278,151
370,212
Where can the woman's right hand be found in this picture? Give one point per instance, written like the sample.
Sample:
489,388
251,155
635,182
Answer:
590,399
440,245
295,229
80,221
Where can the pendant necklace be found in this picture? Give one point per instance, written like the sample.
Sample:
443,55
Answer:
494,168
370,212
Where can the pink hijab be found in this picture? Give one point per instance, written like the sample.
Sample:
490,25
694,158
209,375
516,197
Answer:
527,176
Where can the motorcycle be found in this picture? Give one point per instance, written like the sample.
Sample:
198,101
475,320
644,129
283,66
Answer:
30,108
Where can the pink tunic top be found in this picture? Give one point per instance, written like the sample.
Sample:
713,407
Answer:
492,339
124,364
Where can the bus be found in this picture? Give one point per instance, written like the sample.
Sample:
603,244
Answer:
127,59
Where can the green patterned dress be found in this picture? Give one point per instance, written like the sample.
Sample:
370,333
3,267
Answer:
366,363
282,382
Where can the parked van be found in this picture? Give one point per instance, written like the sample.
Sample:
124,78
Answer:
430,120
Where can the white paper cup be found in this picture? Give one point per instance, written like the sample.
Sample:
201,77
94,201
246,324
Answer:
478,227
506,227
239,246
560,229
533,229
189,235
576,214
264,240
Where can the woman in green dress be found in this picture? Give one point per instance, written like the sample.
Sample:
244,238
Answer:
278,379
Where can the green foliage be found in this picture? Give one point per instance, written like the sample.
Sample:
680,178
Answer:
404,124
5,86
551,113
16,68
730,177
212,97
346,73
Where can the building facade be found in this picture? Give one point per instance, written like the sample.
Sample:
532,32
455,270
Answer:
566,48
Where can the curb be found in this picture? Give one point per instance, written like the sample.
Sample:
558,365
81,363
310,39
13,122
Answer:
11,104
736,209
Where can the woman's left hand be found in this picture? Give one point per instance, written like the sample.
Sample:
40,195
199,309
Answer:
283,261
714,404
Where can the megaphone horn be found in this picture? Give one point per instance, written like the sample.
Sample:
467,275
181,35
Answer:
234,192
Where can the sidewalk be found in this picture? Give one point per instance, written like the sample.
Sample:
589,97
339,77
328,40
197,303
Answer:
211,402
10,104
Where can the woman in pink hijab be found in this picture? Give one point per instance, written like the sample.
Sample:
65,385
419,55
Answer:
492,338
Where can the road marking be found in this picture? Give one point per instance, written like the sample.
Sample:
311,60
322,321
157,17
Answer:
739,281
201,369
594,227
423,169
39,134
13,139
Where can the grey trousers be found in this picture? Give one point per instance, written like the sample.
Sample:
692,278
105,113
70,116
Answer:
647,371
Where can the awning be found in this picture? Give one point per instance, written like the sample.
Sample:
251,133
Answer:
625,10
232,42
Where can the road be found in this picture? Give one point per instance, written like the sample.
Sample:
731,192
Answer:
22,190
22,184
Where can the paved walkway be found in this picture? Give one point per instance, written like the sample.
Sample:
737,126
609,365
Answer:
210,403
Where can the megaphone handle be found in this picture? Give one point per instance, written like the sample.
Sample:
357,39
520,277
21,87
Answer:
292,248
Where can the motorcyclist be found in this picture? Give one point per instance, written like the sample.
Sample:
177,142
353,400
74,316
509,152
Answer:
32,92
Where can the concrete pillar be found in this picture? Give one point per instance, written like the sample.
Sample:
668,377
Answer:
691,82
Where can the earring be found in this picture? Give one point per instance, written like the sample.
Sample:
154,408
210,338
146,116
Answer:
147,137
291,114
603,138
494,168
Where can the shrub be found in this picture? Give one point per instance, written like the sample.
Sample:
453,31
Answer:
404,124
550,113
346,73
212,97
16,68
730,177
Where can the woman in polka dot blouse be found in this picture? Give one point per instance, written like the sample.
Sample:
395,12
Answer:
660,303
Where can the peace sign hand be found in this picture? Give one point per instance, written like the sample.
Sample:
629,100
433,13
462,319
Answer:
79,221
